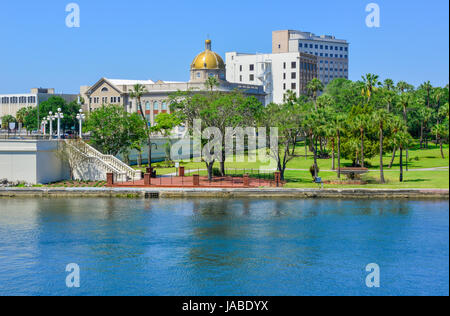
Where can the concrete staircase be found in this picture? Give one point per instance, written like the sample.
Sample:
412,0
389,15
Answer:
81,151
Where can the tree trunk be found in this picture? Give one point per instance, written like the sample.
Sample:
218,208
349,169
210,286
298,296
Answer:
209,166
442,150
316,173
333,167
222,163
362,149
381,156
339,154
149,142
393,158
401,164
421,135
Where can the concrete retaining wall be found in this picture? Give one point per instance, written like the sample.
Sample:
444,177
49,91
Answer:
228,193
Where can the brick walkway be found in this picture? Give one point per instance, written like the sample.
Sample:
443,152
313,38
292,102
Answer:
188,182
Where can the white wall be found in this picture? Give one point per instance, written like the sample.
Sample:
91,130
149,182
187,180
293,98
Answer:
31,161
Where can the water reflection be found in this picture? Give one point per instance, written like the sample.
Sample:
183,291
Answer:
221,246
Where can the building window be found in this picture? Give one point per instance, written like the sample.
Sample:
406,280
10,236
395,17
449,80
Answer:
105,89
284,65
118,100
293,65
300,45
240,78
321,46
147,106
284,86
163,106
155,105
294,75
240,68
284,76
198,74
252,77
252,67
293,86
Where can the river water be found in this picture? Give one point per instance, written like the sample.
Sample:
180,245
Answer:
223,246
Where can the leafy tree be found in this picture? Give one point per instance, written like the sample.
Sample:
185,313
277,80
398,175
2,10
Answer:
6,120
113,129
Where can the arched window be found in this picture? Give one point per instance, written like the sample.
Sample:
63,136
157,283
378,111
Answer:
105,89
155,105
163,105
147,106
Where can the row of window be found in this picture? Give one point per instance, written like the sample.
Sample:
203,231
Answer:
293,86
326,47
333,69
96,100
156,105
16,100
331,77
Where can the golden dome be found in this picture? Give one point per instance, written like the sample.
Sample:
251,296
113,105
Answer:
208,59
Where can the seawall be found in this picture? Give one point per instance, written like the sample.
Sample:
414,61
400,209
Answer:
226,193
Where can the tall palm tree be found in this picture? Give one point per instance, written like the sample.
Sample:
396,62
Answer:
402,140
397,126
370,83
425,114
339,124
360,123
388,84
427,87
403,86
405,100
381,118
441,132
314,87
136,93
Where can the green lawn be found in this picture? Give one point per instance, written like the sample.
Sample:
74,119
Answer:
418,159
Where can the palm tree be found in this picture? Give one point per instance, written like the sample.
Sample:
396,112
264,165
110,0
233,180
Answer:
441,131
427,87
314,87
370,83
424,115
360,123
137,92
403,86
381,118
402,140
388,84
330,132
339,125
397,126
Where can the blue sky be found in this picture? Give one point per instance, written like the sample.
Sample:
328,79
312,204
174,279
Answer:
145,39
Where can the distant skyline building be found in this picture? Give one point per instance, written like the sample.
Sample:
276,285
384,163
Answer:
297,57
10,104
332,53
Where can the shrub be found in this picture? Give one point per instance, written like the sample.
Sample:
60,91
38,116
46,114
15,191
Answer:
312,170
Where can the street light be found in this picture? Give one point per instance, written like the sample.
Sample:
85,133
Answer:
59,116
44,124
80,118
51,118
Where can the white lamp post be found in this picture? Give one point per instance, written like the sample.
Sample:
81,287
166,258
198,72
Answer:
44,124
59,116
80,118
51,118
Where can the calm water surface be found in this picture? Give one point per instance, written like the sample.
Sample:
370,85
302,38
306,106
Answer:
223,247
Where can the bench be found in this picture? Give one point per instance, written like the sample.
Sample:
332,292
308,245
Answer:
353,173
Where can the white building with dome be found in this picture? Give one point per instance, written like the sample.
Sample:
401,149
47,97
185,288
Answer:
155,100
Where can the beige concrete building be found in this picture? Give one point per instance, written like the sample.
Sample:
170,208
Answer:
332,54
155,100
11,103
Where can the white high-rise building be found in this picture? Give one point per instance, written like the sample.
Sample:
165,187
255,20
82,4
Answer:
277,73
332,53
